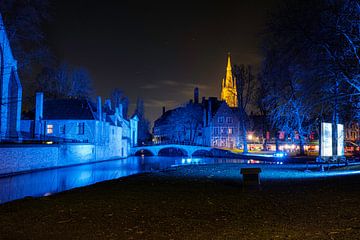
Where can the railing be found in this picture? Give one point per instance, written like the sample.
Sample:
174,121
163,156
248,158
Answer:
185,143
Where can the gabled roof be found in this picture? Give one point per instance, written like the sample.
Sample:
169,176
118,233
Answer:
66,109
164,118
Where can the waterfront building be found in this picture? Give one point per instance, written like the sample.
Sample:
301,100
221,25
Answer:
81,121
10,91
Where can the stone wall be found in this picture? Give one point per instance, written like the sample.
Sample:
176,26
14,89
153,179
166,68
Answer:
19,158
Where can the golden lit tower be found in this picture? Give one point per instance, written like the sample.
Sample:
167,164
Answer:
228,87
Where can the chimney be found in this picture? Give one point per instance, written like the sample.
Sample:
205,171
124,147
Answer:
204,118
121,114
209,111
163,110
99,108
196,95
39,111
108,104
116,115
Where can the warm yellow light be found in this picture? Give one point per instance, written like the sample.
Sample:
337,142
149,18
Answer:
250,137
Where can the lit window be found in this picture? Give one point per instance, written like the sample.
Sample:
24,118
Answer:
49,129
81,128
230,131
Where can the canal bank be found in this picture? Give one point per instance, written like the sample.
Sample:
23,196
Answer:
193,202
23,158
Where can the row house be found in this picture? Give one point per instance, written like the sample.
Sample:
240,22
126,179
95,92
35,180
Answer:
81,121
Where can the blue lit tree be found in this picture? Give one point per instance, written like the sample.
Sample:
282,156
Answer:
24,24
312,61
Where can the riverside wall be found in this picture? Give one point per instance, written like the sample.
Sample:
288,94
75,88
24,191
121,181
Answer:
18,158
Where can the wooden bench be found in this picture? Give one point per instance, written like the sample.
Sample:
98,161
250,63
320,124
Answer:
251,176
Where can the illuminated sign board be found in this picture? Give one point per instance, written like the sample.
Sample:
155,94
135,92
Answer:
340,140
326,140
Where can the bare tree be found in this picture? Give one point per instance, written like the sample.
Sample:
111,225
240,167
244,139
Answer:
144,135
311,61
24,24
118,98
245,83
64,82
186,123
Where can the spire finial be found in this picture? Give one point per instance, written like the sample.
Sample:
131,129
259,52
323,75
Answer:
228,62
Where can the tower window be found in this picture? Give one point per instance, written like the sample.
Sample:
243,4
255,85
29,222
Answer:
220,119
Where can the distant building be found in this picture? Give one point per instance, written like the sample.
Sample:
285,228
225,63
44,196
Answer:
219,125
79,120
10,91
222,125
228,87
352,132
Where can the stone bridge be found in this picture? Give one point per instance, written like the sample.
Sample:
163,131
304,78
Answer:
187,150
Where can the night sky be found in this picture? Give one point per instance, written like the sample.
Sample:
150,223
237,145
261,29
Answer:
157,51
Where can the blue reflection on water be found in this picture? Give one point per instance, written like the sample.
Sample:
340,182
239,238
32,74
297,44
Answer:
44,183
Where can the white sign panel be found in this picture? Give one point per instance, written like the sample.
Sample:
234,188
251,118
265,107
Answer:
326,140
340,140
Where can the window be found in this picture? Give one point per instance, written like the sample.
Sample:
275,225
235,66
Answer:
81,128
62,129
230,131
223,131
49,129
220,119
223,142
229,120
216,131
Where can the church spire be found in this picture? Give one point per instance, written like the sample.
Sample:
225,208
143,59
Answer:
228,91
228,68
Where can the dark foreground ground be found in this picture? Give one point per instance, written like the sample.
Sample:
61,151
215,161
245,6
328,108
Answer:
182,204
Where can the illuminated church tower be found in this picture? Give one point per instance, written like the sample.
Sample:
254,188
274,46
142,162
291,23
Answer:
228,87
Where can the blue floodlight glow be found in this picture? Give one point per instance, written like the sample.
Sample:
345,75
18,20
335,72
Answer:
280,154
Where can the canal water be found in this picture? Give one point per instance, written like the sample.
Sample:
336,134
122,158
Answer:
47,182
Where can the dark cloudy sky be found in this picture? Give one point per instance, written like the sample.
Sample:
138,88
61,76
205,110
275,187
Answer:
158,51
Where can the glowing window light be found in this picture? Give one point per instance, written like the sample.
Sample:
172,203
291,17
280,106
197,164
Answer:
250,137
49,129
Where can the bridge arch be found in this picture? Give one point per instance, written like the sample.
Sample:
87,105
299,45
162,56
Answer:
144,152
172,151
202,153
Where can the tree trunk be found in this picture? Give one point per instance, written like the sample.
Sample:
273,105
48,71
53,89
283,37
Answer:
301,145
335,120
244,136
